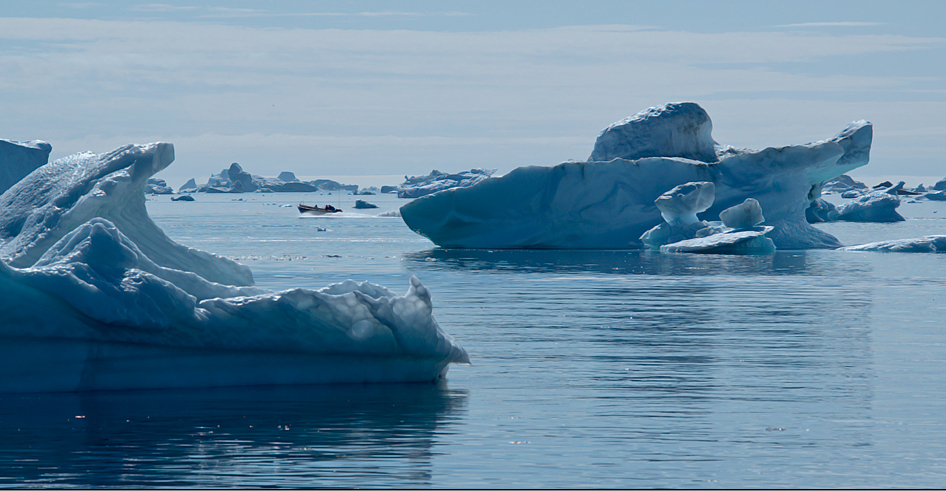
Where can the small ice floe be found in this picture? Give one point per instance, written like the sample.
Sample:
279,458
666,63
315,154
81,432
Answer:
930,243
363,205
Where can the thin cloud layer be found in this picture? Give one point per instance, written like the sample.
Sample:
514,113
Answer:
521,97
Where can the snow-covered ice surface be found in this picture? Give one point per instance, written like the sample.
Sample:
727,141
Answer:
94,295
736,242
610,204
417,186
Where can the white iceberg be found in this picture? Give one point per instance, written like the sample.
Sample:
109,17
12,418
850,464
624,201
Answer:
55,199
93,296
610,204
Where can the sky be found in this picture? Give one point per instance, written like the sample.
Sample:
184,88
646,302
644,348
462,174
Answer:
361,88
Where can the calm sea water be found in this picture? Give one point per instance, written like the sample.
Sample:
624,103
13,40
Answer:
590,369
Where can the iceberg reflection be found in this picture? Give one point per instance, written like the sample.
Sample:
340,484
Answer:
624,262
293,436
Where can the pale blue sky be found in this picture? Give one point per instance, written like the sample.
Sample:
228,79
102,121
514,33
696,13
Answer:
335,88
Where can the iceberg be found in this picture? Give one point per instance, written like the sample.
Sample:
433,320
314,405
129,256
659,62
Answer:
877,206
236,180
158,186
841,184
609,204
57,198
94,296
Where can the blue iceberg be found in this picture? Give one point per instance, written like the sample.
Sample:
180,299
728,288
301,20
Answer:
607,202
94,296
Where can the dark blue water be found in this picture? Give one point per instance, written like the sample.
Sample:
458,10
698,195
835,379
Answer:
590,369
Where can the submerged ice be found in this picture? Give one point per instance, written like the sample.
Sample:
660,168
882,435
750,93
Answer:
93,295
608,202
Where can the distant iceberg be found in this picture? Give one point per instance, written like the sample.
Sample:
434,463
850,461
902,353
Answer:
608,201
94,296
236,180
877,206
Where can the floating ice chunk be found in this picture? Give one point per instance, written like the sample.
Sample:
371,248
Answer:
680,205
742,216
878,206
936,196
842,184
610,204
930,243
737,242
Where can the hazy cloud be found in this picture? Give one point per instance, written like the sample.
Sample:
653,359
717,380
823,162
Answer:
360,98
835,24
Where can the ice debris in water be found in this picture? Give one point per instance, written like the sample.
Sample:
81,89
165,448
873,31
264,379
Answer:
608,202
738,232
93,296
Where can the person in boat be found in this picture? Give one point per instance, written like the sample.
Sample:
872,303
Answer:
329,208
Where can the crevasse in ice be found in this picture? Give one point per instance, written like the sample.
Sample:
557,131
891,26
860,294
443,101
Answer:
607,202
93,295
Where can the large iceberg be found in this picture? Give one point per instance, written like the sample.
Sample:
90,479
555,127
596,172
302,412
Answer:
93,295
609,203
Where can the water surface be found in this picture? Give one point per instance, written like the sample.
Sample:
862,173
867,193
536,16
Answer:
590,369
